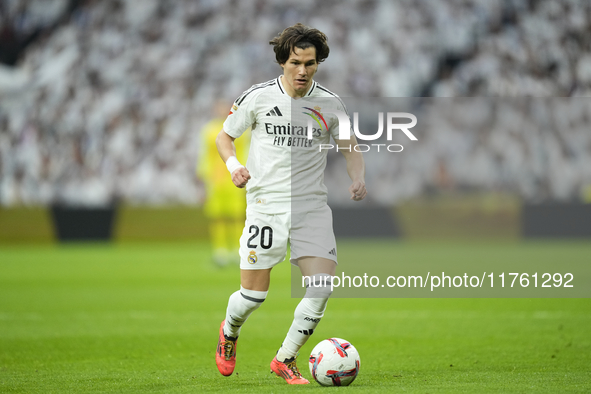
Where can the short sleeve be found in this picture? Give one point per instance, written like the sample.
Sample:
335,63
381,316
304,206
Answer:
241,116
334,127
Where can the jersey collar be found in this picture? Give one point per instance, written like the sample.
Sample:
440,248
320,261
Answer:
282,88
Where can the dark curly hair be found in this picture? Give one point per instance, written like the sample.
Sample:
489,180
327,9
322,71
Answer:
299,36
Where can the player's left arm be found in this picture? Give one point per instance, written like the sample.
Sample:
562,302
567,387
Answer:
355,167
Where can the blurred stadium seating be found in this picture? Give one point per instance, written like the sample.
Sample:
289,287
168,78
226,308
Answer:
104,103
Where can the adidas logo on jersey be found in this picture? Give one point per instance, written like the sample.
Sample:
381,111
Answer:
333,252
274,112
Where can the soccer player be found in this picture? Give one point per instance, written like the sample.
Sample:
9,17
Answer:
285,193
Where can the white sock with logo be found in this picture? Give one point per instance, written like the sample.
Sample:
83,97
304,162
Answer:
307,315
241,304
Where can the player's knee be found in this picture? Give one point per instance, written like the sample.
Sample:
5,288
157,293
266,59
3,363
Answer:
319,286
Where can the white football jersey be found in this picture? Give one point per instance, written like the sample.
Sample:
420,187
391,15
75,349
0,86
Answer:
286,167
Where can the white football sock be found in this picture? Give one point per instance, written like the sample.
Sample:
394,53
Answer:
241,304
307,315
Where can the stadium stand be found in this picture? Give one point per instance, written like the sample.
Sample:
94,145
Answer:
106,105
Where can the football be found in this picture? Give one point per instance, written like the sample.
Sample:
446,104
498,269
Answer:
334,362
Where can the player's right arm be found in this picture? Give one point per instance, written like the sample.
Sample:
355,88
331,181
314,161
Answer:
227,151
241,117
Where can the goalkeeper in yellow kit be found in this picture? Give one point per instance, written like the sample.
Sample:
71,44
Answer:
225,204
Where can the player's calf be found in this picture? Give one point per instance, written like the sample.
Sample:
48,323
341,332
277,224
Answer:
307,315
240,306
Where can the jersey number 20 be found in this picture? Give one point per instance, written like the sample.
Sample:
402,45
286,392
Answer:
266,236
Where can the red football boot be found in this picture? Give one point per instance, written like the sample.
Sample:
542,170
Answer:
288,371
225,355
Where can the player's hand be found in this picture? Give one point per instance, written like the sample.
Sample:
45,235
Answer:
240,177
357,190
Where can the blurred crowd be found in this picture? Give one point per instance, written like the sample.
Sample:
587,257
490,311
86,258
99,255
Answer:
108,107
536,148
23,21
542,49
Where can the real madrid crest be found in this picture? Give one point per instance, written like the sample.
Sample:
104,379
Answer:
252,257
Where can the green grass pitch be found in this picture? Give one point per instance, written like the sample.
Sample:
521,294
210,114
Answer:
144,318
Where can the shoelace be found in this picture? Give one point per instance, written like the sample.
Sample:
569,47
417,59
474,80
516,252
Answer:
228,349
294,368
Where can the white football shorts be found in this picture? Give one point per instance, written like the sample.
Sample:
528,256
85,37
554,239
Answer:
263,243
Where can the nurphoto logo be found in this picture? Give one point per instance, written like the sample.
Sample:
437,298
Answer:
345,127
